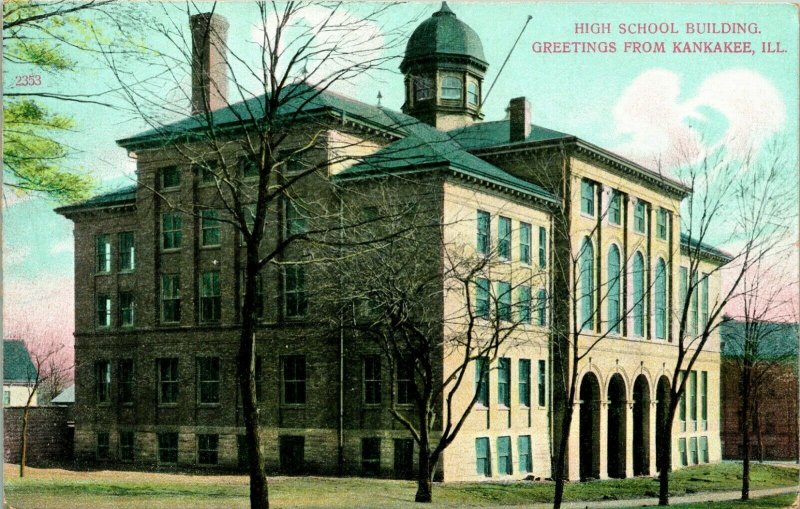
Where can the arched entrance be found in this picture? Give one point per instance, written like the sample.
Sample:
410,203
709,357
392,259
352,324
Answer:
662,409
641,426
589,430
616,427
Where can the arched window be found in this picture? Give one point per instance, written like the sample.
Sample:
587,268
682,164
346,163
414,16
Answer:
451,87
661,299
613,289
638,294
541,307
586,280
472,94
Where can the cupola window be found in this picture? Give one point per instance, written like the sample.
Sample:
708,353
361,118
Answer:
451,87
472,93
423,88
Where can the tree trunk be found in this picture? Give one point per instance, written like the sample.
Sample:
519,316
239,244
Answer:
24,443
744,430
425,473
558,473
666,452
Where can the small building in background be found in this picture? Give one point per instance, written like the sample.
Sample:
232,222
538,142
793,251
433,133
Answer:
774,431
19,374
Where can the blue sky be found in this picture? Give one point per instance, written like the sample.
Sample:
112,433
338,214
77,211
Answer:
636,104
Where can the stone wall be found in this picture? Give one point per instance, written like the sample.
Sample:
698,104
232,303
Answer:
49,436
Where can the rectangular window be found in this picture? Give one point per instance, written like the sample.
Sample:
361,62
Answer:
168,380
484,232
102,370
482,380
170,298
102,446
127,252
639,217
504,456
295,295
542,383
662,223
207,447
6,397
541,307
504,382
504,238
693,450
209,172
682,451
703,400
525,382
126,381
372,380
542,247
371,456
126,309
405,383
103,253
291,454
259,292
692,400
296,220
210,300
587,197
126,451
693,309
294,379
482,298
482,461
103,311
615,208
504,301
524,454
208,379
523,304
704,301
170,177
704,449
168,448
525,243
210,226
171,233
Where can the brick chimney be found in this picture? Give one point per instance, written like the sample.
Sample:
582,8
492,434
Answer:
519,113
209,62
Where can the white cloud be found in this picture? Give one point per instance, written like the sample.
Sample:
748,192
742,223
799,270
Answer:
656,114
64,246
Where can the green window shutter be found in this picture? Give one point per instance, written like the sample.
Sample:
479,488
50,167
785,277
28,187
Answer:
692,400
704,449
661,299
504,466
525,382
682,451
524,453
482,380
484,232
542,247
542,382
638,294
504,301
523,304
541,307
482,462
504,238
704,399
504,382
614,294
525,243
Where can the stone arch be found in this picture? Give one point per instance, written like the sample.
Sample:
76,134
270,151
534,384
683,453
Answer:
641,426
589,426
617,426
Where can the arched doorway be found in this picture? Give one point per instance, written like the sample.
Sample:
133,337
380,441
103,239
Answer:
641,426
662,409
589,430
616,427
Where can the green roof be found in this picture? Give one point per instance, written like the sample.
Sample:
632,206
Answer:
17,364
774,340
424,149
298,101
119,197
444,34
706,250
491,134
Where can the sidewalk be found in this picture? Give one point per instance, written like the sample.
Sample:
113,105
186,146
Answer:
719,496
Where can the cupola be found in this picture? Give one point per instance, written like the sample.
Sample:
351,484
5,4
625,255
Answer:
444,68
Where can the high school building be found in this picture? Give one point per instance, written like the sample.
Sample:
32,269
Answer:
158,293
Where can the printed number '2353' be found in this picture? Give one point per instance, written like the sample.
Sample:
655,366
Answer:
29,80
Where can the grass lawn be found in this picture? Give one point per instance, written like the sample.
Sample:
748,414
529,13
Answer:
779,501
46,488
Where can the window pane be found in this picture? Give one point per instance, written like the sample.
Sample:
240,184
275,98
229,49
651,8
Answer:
523,305
294,380
504,382
482,461
484,232
295,292
541,308
482,380
207,446
504,301
472,94
168,447
171,235
208,379
482,298
661,299
372,380
211,227
370,456
210,300
127,258
126,381
524,453
638,294
586,261
542,247
126,309
614,293
103,252
587,197
451,88
504,456
170,177
525,382
504,238
542,383
170,298
525,243
296,222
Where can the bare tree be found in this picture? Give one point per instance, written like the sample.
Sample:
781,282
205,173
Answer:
746,205
268,149
425,299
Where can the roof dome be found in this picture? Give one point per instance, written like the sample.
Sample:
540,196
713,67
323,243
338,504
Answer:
443,34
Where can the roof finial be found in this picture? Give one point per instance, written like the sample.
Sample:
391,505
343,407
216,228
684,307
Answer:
444,10
379,97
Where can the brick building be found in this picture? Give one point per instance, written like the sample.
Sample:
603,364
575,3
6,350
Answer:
774,431
158,293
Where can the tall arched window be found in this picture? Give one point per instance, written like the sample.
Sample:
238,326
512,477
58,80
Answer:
451,87
586,267
661,299
638,294
613,289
